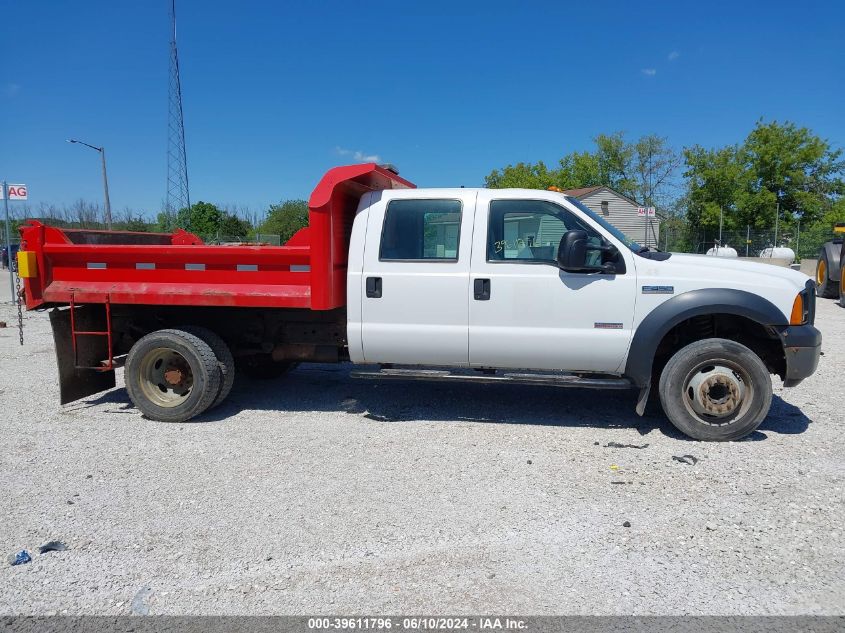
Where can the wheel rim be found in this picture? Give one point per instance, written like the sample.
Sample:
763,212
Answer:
717,392
166,377
821,272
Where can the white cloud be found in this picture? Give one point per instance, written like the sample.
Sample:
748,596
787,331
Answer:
358,155
649,72
367,158
673,56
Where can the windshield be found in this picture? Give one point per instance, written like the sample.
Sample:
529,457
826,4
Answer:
619,235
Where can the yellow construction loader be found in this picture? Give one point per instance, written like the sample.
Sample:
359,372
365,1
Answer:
830,269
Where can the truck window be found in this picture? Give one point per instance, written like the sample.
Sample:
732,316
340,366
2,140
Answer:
529,230
416,230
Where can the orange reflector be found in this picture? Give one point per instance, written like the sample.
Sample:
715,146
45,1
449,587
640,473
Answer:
797,316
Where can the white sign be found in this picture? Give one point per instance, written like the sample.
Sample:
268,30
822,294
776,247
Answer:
646,211
16,192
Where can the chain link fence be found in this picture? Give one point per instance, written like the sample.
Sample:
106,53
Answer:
747,243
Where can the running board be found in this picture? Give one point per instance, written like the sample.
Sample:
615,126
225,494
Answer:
472,375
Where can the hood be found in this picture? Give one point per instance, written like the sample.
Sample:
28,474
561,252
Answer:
738,265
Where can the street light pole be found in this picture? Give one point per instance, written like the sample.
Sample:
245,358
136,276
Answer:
9,242
106,188
102,151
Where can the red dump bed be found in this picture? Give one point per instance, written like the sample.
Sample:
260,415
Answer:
178,269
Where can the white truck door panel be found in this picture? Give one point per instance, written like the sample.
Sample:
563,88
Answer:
538,316
416,262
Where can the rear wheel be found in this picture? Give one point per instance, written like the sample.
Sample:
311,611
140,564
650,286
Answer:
715,390
825,286
225,361
172,375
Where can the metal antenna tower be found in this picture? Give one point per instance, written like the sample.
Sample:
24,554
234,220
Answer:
177,161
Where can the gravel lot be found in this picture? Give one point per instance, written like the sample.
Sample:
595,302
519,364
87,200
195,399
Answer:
321,494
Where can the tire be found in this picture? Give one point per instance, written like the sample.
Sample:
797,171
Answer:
842,283
193,381
263,367
825,286
225,361
715,390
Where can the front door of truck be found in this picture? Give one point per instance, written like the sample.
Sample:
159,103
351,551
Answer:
415,282
530,313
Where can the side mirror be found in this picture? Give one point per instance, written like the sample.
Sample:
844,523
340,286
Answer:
572,251
572,254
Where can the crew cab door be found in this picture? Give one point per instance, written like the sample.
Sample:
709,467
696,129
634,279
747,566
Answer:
415,281
531,314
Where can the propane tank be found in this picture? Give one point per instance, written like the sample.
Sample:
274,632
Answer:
779,252
722,251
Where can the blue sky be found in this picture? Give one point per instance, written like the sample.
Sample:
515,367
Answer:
277,92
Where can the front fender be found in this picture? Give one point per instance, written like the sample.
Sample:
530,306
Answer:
705,301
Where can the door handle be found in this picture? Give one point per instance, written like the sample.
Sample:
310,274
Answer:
374,287
481,288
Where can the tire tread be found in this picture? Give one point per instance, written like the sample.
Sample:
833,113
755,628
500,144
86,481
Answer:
225,360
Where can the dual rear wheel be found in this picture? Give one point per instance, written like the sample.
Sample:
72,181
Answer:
176,374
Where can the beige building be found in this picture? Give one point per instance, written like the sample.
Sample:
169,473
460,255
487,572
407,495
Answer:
621,212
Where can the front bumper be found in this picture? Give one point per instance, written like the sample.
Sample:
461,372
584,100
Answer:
802,346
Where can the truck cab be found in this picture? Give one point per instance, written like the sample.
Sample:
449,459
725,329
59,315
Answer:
471,278
510,279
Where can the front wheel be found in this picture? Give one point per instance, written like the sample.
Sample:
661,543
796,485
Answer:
715,390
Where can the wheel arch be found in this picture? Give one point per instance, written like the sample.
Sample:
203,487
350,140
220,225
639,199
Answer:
696,303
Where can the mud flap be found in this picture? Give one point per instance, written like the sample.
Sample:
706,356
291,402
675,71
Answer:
77,383
642,400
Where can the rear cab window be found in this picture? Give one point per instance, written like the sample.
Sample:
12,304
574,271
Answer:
421,230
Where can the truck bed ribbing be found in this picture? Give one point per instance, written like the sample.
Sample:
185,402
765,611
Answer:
162,269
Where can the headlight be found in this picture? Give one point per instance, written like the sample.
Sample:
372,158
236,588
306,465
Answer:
804,306
798,311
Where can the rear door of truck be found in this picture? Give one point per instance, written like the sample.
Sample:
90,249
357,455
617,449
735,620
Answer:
415,283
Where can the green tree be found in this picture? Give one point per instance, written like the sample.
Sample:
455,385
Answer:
285,219
793,167
716,181
523,176
165,221
202,218
777,164
655,164
643,170
206,220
